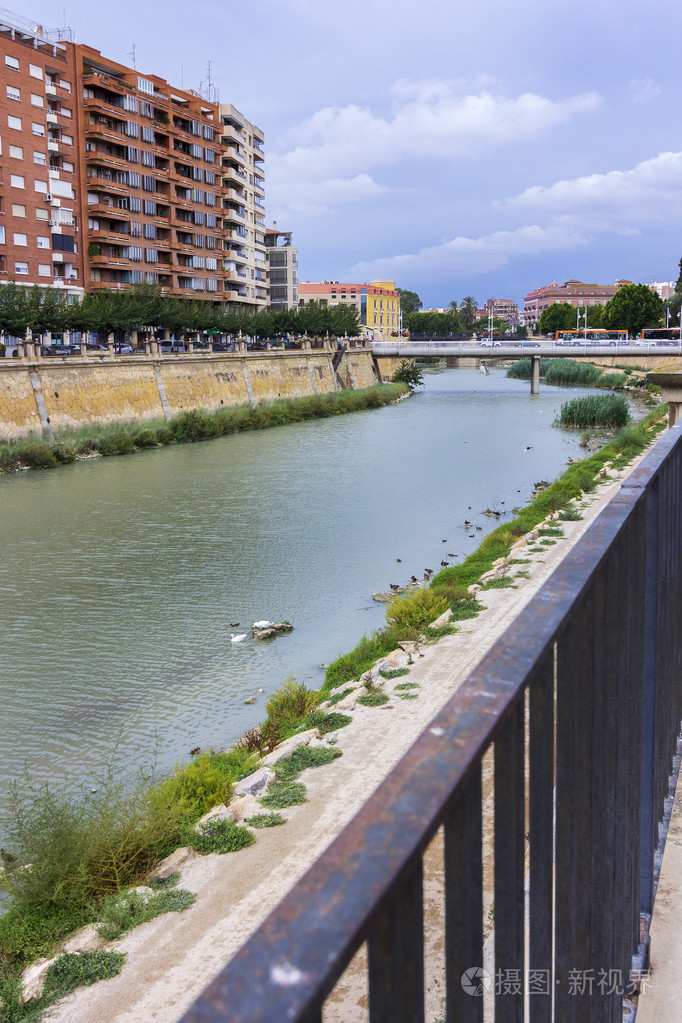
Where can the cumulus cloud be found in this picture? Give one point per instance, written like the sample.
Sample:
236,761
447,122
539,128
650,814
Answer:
434,117
651,189
576,213
300,201
642,90
479,255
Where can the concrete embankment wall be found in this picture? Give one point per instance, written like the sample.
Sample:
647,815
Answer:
39,395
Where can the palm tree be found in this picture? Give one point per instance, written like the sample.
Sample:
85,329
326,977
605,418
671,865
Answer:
453,306
468,310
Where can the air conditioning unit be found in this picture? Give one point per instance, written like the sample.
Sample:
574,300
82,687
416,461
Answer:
76,229
53,223
47,197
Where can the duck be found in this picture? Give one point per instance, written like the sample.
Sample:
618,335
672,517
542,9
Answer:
193,752
467,524
399,561
479,528
451,555
394,587
7,857
443,541
413,579
239,638
235,625
471,536
444,564
428,571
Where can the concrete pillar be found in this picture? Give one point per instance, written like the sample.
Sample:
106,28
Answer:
83,349
190,346
110,345
21,350
154,347
671,391
535,374
147,348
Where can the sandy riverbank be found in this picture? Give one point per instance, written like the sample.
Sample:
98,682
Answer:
172,958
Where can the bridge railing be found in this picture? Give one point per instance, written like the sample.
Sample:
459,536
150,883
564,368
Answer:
579,704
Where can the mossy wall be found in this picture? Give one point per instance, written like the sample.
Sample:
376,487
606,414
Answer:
71,391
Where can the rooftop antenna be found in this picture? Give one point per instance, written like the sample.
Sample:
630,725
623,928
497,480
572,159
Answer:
132,57
209,80
182,76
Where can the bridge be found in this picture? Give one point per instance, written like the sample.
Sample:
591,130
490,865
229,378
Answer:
531,348
579,704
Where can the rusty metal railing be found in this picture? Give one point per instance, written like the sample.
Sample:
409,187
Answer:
581,702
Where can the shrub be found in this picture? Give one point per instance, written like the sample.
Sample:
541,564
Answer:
416,610
119,443
289,768
222,836
145,439
408,373
196,787
36,455
287,707
193,425
465,608
284,793
607,410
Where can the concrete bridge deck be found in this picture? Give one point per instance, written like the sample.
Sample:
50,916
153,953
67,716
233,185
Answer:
542,348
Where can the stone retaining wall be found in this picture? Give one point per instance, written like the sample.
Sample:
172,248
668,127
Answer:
40,395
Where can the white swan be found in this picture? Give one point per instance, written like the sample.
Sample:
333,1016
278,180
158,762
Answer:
239,638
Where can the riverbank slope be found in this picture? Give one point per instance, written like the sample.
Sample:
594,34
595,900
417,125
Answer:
171,960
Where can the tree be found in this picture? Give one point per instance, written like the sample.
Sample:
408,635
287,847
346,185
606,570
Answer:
408,373
453,306
431,323
633,306
468,310
558,316
410,301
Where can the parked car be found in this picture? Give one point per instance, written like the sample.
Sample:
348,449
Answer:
490,342
58,350
123,348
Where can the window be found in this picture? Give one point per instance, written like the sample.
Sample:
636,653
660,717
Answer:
145,86
20,239
18,210
21,268
36,100
66,139
13,92
16,180
147,133
14,122
66,165
65,112
40,159
40,186
42,214
16,152
37,129
12,62
44,270
43,242
35,72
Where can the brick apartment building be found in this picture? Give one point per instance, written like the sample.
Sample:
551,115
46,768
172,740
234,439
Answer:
574,292
504,308
112,178
282,260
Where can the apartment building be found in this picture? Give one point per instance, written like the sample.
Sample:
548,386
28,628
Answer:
282,269
504,308
377,302
41,241
123,179
574,292
243,208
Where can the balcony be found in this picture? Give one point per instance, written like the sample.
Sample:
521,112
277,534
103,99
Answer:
50,90
97,184
50,117
110,211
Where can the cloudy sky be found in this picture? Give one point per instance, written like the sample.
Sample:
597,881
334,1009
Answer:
481,148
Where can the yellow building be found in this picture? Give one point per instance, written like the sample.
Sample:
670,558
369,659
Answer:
378,303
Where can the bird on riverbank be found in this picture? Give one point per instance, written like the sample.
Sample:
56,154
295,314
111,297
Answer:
413,579
7,857
444,564
428,571
237,639
193,752
394,587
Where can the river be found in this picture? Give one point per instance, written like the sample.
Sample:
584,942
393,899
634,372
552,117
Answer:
121,578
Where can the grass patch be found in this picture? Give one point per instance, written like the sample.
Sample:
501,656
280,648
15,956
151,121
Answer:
406,685
408,696
522,575
519,561
435,632
121,913
326,722
465,608
373,699
536,550
570,515
289,768
265,820
550,531
160,883
34,452
504,582
337,697
548,543
389,673
284,793
222,836
80,969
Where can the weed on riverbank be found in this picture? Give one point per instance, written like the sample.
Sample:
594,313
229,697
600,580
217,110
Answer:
189,427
